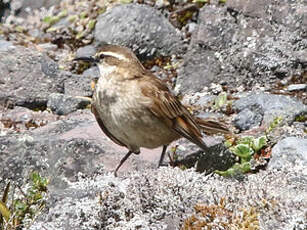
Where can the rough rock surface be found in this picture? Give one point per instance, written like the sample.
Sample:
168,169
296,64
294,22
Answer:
242,36
289,151
23,7
63,104
240,45
28,77
218,157
163,198
80,85
139,27
199,69
268,106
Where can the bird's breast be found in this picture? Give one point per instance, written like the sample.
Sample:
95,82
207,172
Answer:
124,110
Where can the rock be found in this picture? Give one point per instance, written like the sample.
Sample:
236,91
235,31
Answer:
51,150
4,9
80,85
199,69
249,117
250,8
85,51
216,28
28,77
149,199
270,105
24,7
20,119
5,45
296,87
139,27
242,38
92,73
63,104
289,151
218,156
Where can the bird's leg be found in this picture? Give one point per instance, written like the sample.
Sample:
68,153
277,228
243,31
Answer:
162,155
122,161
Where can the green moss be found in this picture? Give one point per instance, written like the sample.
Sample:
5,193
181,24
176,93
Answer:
27,206
301,118
91,24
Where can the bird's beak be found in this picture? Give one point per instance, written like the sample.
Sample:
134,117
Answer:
87,59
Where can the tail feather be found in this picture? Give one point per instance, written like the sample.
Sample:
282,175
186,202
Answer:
211,126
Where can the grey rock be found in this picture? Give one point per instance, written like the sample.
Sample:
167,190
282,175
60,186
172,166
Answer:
4,9
212,30
58,150
28,77
242,37
63,104
25,7
139,27
301,56
250,8
149,199
249,117
271,106
80,85
296,87
199,69
92,72
289,151
85,51
218,156
5,45
20,119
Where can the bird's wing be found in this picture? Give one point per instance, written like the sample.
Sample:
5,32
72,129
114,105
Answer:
102,126
168,109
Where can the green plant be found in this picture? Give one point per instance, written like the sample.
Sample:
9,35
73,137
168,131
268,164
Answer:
273,125
244,148
26,207
220,100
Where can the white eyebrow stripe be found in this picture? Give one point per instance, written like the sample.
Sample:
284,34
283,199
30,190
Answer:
116,55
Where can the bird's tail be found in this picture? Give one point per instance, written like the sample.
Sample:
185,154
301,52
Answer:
211,126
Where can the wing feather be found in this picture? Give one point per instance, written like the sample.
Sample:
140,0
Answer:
169,109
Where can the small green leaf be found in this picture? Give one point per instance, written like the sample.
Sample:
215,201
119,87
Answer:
125,1
259,143
228,143
243,151
72,18
83,15
5,212
248,140
235,169
200,1
220,100
91,24
47,19
62,14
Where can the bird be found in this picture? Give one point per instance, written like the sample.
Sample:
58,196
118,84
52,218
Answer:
134,108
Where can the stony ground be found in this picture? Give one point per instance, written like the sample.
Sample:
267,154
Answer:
241,62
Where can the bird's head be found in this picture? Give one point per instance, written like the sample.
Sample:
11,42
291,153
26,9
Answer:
112,58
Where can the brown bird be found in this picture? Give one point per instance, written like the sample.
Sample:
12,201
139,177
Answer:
134,108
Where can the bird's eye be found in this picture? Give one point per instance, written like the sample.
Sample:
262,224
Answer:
101,56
